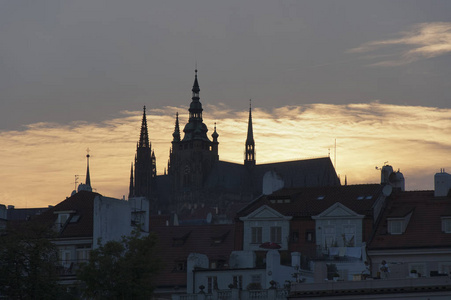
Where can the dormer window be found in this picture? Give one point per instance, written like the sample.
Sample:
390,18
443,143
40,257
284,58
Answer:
63,216
446,224
398,225
395,226
285,200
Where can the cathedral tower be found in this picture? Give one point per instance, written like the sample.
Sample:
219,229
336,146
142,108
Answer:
192,157
145,164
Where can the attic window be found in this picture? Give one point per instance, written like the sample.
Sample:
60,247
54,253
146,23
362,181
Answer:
446,224
63,216
320,197
216,240
360,197
74,219
180,266
180,241
369,197
395,226
280,201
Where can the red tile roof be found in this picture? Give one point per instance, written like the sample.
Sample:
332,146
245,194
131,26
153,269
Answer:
424,228
175,243
306,202
83,204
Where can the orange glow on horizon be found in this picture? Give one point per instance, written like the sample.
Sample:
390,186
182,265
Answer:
39,164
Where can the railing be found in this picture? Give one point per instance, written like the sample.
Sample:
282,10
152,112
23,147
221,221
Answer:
277,294
373,286
190,297
257,295
69,268
282,294
224,294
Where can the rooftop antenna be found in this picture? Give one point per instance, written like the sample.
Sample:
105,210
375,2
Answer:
335,154
76,181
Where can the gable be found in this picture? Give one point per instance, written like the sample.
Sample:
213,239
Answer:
264,213
338,210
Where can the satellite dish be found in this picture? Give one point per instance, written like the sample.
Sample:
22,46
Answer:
387,190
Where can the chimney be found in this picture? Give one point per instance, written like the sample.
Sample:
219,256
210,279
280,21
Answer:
442,184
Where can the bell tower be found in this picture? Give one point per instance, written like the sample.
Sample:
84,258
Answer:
191,157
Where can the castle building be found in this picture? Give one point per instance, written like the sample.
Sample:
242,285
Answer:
196,177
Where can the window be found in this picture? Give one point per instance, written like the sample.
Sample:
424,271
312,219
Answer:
256,235
238,282
310,236
212,283
329,235
83,253
180,266
276,234
65,258
446,225
62,219
295,236
348,235
395,226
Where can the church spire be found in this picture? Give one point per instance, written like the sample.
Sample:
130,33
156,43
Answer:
195,108
131,187
176,133
249,153
144,136
195,129
88,177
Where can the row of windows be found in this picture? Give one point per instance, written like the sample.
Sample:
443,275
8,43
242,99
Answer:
237,281
276,235
398,225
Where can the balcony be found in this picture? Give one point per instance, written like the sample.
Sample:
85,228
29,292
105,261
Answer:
428,285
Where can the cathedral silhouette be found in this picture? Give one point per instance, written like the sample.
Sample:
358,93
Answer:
197,178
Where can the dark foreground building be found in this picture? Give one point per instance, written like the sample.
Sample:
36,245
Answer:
197,178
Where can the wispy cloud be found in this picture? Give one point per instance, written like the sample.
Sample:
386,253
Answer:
39,164
425,40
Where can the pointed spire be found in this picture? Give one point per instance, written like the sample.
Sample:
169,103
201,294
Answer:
144,135
250,131
195,129
196,88
88,177
176,133
249,152
215,135
131,187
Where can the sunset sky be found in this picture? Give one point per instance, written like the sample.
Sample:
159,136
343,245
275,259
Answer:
374,76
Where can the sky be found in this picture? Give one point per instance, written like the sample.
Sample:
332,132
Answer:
366,82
